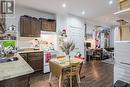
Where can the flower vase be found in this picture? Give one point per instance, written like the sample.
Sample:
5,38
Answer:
68,57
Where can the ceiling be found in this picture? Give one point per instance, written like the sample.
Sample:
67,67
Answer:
99,11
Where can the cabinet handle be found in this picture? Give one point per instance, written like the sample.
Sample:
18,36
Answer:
124,63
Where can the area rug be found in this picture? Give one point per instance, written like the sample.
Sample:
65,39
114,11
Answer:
109,61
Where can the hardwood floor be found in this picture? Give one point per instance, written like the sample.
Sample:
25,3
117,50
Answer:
98,74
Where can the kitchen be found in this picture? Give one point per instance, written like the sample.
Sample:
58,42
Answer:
24,42
34,36
33,39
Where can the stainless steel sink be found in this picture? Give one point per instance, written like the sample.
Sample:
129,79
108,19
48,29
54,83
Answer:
5,59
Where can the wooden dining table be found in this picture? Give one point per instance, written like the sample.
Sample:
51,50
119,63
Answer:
57,65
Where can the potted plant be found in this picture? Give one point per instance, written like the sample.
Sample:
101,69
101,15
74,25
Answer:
67,47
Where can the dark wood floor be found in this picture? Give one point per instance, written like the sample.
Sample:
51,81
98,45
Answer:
98,74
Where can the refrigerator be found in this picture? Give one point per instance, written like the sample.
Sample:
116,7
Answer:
122,61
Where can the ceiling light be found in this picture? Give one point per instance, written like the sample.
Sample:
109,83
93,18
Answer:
83,12
63,5
110,2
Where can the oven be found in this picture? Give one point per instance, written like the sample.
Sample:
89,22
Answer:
47,57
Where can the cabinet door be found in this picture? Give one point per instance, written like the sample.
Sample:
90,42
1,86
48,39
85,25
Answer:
38,28
35,60
22,81
44,24
53,26
48,25
35,27
25,26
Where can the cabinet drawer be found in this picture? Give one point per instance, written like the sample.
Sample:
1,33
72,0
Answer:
35,55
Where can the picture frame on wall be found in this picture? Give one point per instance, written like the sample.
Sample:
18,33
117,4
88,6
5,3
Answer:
2,23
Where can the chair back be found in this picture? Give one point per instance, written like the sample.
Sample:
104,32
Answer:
73,68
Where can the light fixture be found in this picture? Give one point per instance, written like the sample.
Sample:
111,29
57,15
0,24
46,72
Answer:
64,5
83,12
110,2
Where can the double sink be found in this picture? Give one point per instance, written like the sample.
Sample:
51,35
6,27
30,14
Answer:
8,59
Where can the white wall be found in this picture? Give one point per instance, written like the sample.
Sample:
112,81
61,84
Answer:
23,42
64,21
90,30
112,36
73,25
116,34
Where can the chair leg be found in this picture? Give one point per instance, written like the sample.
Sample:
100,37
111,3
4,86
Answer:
62,81
71,80
50,77
78,78
60,78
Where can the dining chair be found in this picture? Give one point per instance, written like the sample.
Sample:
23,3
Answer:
71,71
53,70
81,67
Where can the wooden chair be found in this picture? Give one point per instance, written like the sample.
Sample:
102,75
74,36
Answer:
98,54
81,66
72,70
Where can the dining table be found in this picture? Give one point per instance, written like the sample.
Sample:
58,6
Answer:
58,64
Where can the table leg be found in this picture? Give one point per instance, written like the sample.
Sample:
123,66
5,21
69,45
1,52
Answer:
60,78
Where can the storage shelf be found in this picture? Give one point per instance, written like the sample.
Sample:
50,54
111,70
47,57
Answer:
124,14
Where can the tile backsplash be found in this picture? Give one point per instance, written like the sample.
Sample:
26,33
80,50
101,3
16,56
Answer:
47,41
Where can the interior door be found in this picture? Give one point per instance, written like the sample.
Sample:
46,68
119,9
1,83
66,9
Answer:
76,35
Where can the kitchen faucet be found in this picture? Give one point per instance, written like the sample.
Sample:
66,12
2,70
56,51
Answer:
2,51
5,51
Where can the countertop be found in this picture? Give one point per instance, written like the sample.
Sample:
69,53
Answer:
14,69
30,50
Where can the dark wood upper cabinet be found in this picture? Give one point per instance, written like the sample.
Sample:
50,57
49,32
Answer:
29,27
25,26
35,27
48,25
